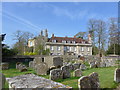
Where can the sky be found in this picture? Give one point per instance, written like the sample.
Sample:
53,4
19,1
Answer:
60,18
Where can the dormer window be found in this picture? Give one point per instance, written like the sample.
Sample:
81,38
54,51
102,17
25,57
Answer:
63,41
54,41
68,41
73,41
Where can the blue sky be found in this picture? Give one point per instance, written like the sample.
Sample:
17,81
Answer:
60,18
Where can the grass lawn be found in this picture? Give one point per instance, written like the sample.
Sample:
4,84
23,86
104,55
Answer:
106,76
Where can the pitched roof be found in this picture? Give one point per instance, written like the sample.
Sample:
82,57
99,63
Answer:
60,39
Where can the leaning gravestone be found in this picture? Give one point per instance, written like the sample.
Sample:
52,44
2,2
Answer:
66,72
2,81
77,73
117,75
5,65
42,69
56,74
83,67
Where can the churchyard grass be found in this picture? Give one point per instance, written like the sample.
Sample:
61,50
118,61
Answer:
106,76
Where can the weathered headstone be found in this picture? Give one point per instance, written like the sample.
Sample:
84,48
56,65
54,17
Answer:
2,81
31,64
42,68
102,64
76,66
77,73
89,82
71,68
56,74
17,65
117,75
84,83
22,68
66,72
58,62
94,80
5,66
92,64
83,67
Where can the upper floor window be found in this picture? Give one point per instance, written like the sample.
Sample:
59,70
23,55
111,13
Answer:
82,48
88,49
58,48
63,41
31,43
51,47
54,41
70,48
74,48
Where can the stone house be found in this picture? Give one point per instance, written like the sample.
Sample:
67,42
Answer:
66,45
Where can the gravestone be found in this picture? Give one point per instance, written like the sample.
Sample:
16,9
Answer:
66,72
84,83
77,73
2,81
94,80
56,74
71,68
92,64
57,62
42,69
17,65
102,64
90,82
76,66
31,64
83,67
117,75
5,66
22,68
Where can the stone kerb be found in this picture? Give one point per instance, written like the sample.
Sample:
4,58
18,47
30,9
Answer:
34,82
56,74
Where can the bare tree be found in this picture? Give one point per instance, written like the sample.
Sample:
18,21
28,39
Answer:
101,35
92,29
22,38
113,32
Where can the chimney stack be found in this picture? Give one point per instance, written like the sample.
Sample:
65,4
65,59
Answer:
52,35
89,38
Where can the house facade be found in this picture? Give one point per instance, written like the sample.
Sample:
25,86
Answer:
66,45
